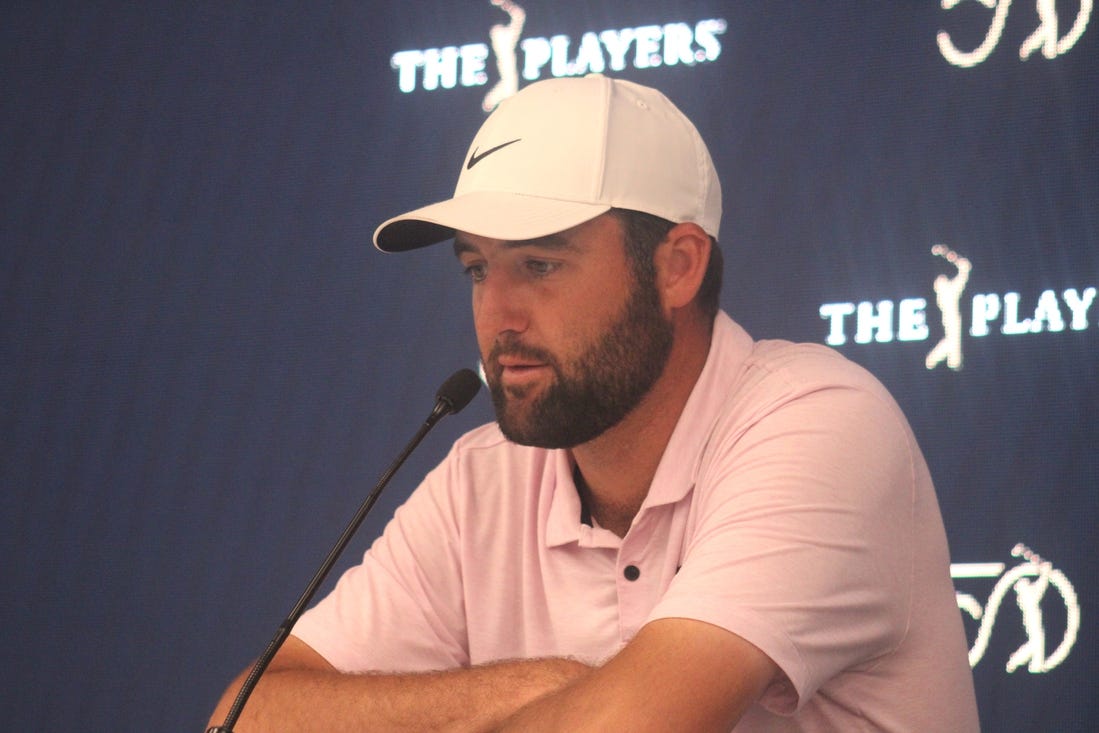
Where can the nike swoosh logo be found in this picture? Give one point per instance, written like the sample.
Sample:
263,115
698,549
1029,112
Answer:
474,158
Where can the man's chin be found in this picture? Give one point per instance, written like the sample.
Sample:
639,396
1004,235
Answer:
518,425
513,423
515,399
514,434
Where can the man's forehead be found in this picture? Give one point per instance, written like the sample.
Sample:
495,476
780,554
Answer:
574,238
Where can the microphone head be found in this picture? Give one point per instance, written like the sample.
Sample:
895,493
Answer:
458,391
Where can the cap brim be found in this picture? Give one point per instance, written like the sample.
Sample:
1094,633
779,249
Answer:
496,215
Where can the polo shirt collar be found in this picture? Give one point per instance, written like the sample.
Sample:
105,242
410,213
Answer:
677,472
563,526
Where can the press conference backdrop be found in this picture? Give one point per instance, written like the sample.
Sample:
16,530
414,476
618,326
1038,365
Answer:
206,365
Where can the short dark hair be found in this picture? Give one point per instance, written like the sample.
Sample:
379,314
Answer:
644,232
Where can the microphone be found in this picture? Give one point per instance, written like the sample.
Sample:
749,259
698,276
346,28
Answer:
454,394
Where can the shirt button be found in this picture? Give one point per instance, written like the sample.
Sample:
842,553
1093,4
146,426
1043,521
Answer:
631,572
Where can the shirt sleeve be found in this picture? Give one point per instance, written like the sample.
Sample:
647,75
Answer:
800,539
401,609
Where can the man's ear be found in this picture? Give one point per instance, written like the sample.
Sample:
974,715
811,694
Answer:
681,261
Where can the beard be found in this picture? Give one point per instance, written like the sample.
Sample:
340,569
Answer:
593,392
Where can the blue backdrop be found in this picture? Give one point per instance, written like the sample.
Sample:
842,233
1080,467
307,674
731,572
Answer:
206,365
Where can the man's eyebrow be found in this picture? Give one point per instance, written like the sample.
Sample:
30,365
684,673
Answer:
551,241
460,246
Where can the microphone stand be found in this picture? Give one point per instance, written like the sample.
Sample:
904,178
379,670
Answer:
455,394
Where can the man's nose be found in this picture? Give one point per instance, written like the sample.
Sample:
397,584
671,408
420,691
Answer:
501,305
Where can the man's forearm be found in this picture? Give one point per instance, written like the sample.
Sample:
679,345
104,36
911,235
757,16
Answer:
473,699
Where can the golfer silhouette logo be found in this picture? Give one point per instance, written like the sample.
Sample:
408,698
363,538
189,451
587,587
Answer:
948,296
505,39
1035,581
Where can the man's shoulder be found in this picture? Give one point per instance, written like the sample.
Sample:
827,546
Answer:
747,379
802,366
785,380
745,362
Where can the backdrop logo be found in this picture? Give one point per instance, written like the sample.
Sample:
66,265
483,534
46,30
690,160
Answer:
1046,37
515,57
905,319
1031,580
948,296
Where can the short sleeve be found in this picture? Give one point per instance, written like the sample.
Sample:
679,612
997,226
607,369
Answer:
800,535
401,609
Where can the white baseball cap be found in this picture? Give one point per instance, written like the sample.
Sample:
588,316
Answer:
563,151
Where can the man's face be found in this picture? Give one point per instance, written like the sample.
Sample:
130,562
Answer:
570,341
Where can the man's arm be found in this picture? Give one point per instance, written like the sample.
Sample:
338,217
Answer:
301,691
676,674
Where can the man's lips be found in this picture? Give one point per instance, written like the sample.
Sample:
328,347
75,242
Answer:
515,370
517,363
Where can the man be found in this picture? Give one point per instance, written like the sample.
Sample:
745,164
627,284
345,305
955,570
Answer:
670,527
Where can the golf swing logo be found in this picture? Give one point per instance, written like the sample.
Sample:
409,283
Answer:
948,296
1031,580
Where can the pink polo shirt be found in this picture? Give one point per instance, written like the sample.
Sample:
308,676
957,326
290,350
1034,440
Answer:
792,507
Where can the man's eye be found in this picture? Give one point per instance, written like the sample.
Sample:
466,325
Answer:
476,273
541,268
